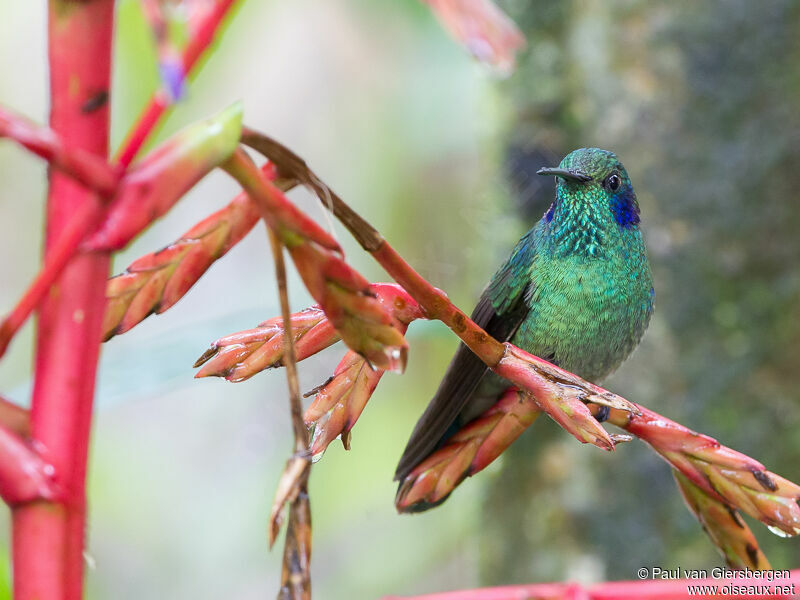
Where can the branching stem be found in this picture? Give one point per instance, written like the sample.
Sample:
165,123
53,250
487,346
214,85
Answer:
295,573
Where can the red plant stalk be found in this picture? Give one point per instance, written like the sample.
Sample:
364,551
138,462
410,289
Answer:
48,537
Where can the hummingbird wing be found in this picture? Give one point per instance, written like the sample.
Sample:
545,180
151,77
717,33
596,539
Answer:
500,311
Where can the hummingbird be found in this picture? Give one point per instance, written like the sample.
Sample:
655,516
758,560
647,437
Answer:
576,291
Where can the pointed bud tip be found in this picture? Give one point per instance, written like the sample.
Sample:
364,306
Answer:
206,356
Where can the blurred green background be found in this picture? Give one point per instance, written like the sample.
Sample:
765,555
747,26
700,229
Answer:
700,100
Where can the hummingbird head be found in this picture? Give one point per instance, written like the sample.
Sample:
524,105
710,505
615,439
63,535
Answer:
594,197
591,178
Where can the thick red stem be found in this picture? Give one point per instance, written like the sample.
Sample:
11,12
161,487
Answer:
49,536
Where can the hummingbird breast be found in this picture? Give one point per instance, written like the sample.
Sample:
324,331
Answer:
588,314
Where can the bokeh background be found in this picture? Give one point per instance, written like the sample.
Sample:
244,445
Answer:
700,100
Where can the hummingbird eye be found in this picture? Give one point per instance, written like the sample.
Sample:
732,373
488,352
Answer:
612,182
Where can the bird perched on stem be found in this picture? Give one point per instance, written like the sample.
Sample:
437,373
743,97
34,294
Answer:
576,291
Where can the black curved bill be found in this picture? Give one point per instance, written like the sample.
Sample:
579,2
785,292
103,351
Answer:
566,174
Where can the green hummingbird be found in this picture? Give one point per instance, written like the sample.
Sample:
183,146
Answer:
576,291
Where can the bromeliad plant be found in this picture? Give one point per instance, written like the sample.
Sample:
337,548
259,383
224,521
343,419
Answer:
97,206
